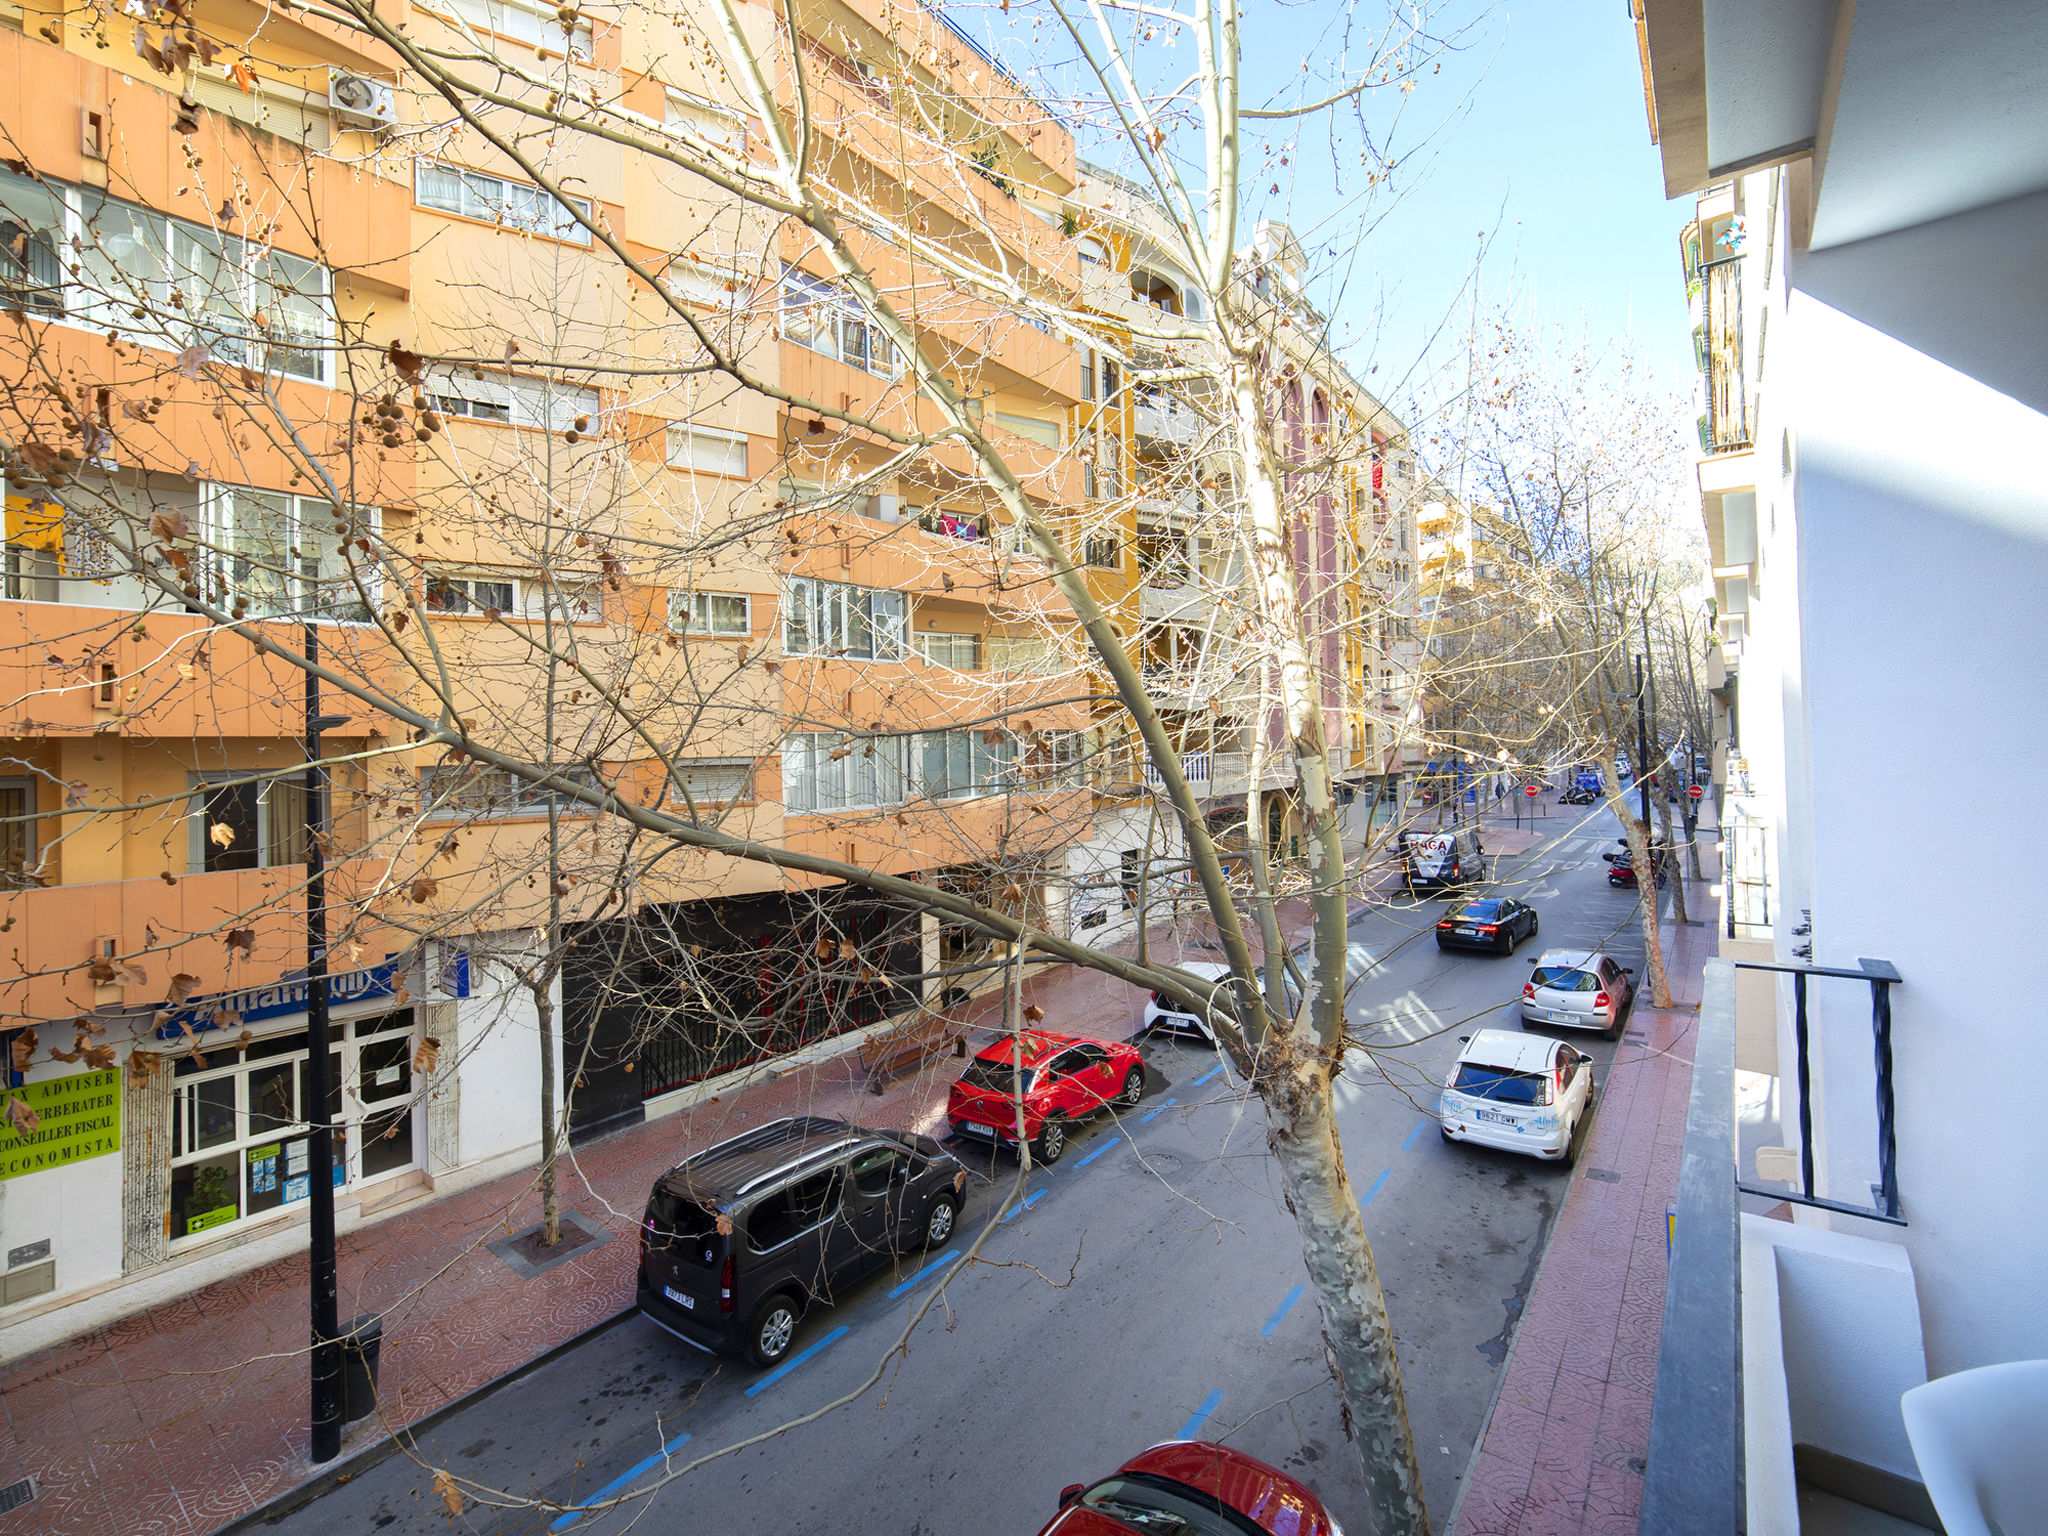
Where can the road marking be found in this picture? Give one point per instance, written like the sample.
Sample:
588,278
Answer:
564,1521
1415,1136
926,1273
1208,1074
1018,1210
789,1365
1209,1405
1162,1109
1106,1146
1285,1307
1378,1184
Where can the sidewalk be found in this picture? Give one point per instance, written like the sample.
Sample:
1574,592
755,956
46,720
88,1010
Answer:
187,1417
1564,1445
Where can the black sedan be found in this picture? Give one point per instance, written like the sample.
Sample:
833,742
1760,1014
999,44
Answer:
1495,923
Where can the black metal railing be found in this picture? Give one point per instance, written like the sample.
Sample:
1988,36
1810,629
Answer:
1693,1484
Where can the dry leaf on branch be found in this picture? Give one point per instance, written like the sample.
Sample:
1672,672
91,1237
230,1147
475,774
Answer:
427,1056
1033,1012
221,835
183,985
24,1119
423,889
243,939
24,1049
406,363
451,1496
723,1223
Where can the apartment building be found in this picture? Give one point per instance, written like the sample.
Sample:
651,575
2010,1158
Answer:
1169,451
1869,208
295,349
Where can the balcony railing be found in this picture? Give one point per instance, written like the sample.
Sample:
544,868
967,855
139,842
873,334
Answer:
1694,1481
1726,426
1194,767
1164,420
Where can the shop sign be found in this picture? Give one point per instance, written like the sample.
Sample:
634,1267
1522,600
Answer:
282,998
80,1117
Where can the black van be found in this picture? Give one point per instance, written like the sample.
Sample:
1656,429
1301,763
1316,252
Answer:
742,1239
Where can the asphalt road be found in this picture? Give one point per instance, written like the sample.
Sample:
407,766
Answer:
1152,1289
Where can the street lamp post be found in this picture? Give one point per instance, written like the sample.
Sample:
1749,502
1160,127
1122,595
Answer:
327,1407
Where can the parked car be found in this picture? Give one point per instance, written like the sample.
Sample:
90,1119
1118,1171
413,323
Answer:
1432,861
1192,1488
1064,1079
1169,1015
1578,988
744,1238
1517,1093
1495,923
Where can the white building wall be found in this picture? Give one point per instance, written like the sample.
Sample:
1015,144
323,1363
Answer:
1914,704
499,1032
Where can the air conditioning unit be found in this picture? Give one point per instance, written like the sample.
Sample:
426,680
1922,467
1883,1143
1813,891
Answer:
359,101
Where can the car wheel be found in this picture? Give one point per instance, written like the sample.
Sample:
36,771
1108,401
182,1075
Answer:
1571,1141
1507,942
773,1330
1535,922
1052,1140
1132,1090
938,1221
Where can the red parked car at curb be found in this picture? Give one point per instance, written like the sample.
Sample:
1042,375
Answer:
1192,1488
1065,1078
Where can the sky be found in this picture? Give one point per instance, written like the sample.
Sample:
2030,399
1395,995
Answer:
1532,132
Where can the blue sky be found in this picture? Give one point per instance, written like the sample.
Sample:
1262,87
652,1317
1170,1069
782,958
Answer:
1533,131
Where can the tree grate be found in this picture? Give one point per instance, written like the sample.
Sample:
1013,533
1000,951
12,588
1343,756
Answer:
14,1495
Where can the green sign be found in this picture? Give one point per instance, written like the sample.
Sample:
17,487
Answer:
81,1118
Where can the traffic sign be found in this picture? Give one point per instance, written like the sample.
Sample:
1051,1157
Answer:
1530,791
1696,792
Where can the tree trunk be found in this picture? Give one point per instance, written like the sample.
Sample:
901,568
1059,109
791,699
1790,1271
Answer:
1646,890
1667,858
1301,1130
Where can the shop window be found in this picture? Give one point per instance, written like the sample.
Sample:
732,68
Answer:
240,1120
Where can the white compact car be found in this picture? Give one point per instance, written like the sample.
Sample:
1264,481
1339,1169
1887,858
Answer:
1519,1093
1168,1016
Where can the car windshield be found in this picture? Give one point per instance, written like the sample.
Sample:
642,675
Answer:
1504,1085
995,1075
1160,1507
1478,911
1565,978
682,1228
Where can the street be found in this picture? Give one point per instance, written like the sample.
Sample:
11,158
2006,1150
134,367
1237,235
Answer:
1152,1288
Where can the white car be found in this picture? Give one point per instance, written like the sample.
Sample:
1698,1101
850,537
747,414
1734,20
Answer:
1168,1015
1580,989
1516,1092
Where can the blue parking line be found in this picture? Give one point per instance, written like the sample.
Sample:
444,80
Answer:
570,1517
1285,1307
1113,1141
1378,1184
1414,1136
787,1366
1201,1416
1208,1074
926,1273
1018,1210
1162,1109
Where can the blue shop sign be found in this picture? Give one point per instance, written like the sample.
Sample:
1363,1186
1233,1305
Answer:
288,995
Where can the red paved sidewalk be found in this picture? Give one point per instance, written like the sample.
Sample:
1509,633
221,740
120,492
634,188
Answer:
1563,1448
187,1416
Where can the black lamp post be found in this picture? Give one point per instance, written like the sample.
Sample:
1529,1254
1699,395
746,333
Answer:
327,1407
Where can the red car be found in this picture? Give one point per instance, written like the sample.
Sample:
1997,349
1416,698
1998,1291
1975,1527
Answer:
1194,1488
1065,1078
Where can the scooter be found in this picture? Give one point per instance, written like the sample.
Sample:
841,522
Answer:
1621,871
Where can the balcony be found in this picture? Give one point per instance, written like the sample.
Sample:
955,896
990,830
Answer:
1164,420
1785,1347
1725,425
1194,767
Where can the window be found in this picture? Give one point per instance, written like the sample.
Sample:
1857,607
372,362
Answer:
243,821
536,26
1022,653
279,554
712,781
879,1167
830,618
825,771
1503,1085
471,789
1103,550
469,594
17,832
708,286
512,204
239,1131
960,652
689,117
32,228
1088,375
567,599
1092,251
1031,428
707,450
790,1212
242,301
967,527
710,613
825,318
479,394
1109,376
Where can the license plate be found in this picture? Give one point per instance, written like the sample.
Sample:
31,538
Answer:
1468,932
687,1303
1497,1117
979,1130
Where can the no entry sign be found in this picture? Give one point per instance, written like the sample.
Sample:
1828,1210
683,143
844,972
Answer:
1529,790
1695,791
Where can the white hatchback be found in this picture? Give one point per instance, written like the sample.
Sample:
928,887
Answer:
1169,1016
1519,1093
